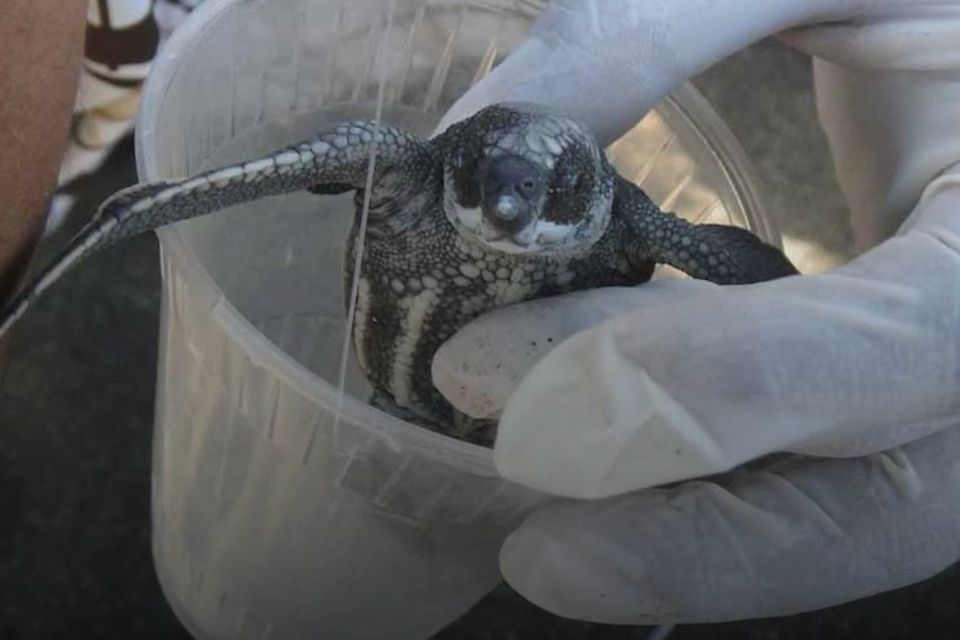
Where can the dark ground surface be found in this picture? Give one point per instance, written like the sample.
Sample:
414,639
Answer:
76,419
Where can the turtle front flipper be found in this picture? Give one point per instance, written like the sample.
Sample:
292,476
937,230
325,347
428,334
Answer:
718,253
336,160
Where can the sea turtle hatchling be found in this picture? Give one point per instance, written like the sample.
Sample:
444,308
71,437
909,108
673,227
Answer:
513,203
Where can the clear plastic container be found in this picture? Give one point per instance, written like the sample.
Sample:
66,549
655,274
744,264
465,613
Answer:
270,518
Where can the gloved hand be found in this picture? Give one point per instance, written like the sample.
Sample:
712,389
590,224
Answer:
855,371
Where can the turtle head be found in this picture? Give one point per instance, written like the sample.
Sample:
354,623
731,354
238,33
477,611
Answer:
520,179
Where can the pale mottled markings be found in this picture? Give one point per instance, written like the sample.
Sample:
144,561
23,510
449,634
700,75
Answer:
505,293
552,145
258,166
193,185
470,218
554,232
538,236
224,177
141,205
361,318
287,158
167,195
473,304
469,270
507,142
415,311
534,142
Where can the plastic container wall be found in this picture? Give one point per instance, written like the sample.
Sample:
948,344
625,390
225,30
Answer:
272,518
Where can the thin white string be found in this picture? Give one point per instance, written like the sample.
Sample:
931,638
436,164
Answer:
364,214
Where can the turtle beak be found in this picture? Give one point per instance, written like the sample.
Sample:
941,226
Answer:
505,213
510,197
505,216
507,209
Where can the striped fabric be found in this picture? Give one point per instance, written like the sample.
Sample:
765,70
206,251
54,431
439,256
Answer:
123,37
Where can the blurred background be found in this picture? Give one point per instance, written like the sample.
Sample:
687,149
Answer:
76,406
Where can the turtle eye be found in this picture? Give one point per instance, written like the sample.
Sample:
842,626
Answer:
528,187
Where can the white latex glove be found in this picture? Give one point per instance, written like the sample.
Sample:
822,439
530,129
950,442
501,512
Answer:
680,380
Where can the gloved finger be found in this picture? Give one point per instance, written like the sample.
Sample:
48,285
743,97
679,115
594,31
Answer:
917,36
798,536
607,62
844,363
883,87
479,369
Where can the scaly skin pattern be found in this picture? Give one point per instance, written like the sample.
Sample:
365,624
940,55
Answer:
512,204
419,288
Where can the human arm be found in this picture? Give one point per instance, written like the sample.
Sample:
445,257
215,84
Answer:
39,69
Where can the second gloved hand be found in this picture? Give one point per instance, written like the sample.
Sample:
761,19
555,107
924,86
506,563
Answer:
859,367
